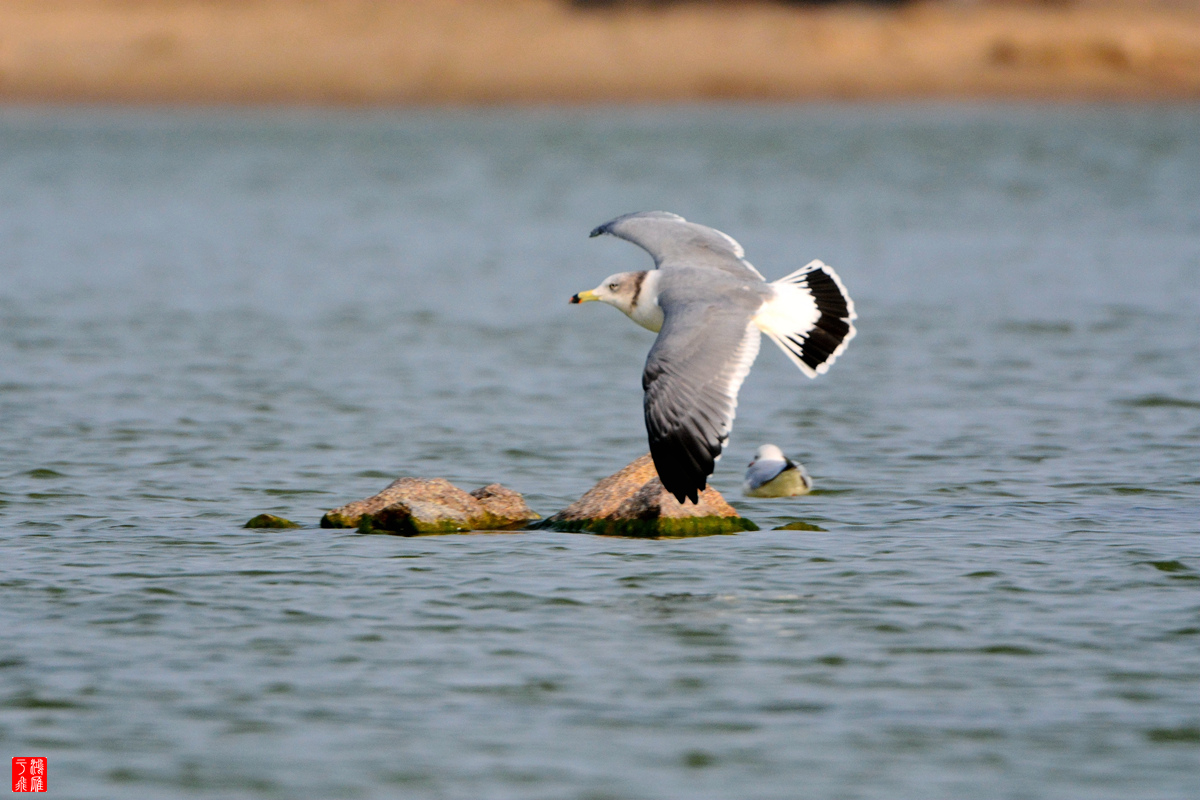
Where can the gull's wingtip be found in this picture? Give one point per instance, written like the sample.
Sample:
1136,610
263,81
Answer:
687,494
609,226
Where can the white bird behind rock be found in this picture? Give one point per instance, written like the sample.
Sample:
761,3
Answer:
772,474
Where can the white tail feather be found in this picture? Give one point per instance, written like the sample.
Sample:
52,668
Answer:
809,317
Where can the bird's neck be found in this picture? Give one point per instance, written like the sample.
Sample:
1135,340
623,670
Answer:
645,310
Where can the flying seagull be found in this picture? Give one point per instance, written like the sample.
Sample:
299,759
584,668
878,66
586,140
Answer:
708,305
772,474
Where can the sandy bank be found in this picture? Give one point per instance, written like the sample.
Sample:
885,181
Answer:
470,51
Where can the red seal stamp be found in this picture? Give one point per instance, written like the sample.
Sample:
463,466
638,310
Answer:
29,773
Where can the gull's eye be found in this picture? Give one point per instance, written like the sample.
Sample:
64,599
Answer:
612,287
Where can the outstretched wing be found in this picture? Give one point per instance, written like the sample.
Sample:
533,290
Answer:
672,241
693,372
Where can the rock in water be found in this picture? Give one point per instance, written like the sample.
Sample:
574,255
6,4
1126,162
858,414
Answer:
505,505
270,521
419,505
633,502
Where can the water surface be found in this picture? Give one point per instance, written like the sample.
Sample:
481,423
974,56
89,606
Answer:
205,316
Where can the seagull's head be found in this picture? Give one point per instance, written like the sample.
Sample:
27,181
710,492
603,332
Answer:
619,291
768,452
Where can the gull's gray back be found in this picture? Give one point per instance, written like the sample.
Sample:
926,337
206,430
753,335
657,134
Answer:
761,472
672,241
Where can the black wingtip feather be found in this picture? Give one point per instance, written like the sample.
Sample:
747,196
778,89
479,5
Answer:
683,465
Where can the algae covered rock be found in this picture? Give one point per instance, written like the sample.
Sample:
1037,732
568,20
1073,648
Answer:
270,521
633,502
799,525
421,505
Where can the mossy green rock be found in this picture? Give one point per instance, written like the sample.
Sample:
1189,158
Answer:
799,525
655,528
270,521
402,520
633,502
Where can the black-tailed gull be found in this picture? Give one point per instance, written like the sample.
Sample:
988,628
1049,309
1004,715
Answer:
708,305
772,474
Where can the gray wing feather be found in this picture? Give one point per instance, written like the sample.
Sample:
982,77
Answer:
672,241
764,471
692,377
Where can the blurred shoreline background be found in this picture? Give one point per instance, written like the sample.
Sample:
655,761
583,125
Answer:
389,52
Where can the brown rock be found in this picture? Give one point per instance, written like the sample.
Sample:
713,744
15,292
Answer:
419,505
633,502
503,503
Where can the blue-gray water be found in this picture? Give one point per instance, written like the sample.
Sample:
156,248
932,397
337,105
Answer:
205,316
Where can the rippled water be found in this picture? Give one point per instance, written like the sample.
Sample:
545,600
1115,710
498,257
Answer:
205,316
